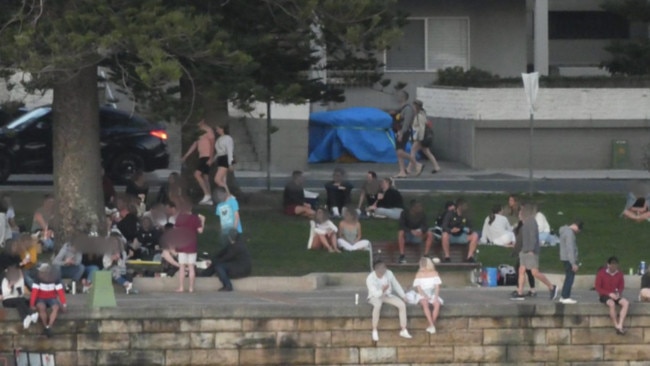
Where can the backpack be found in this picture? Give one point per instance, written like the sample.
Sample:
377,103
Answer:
398,119
427,141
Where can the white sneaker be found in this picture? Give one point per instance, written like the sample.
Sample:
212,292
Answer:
375,336
27,321
568,301
34,318
431,329
405,334
207,200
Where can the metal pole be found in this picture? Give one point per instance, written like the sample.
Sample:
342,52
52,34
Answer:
530,158
268,145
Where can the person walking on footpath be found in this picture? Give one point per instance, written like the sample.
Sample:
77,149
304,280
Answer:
610,284
204,144
422,136
569,258
529,255
382,287
225,150
403,129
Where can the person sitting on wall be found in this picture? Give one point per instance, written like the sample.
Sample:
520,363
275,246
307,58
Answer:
457,230
449,209
636,208
389,202
68,263
610,284
382,288
497,229
293,198
413,229
42,220
233,262
338,192
644,294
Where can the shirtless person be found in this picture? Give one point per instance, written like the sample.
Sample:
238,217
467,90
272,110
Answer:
205,146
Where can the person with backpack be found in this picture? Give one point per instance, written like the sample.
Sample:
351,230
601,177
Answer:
402,125
422,137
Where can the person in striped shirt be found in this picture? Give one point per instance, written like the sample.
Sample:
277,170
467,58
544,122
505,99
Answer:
47,292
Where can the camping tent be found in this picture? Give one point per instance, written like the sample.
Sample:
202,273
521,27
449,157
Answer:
364,133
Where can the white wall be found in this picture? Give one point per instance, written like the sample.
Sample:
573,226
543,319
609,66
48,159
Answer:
552,104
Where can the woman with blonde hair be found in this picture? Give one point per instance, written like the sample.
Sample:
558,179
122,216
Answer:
350,231
427,286
421,141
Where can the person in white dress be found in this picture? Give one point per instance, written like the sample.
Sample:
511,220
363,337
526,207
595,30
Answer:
382,288
497,230
427,287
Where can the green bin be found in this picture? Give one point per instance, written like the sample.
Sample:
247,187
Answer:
620,154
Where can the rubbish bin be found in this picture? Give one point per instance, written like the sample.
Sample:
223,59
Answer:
620,154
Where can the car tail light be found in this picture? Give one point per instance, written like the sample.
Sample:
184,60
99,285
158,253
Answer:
161,134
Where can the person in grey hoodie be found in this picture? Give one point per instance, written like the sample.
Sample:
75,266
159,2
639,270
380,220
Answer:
569,258
529,255
68,263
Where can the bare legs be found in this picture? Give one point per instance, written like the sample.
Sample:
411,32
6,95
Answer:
620,320
220,179
305,211
203,181
431,314
327,241
181,276
536,273
42,313
426,237
401,155
417,146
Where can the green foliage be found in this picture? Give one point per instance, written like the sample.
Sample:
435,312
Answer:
630,57
458,76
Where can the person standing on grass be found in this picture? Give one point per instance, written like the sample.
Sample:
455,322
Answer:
403,124
187,227
204,144
228,212
610,284
382,287
529,255
569,258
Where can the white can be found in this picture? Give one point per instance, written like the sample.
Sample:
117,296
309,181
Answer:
74,288
356,299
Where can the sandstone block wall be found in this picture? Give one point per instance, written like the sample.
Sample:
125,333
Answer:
507,335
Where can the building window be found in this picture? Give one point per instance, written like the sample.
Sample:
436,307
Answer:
587,25
429,44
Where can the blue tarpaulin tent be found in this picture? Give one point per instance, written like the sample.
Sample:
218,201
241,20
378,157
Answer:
364,133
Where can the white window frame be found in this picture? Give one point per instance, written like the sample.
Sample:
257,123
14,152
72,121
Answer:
426,44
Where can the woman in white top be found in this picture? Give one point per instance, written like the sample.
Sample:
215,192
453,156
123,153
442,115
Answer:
419,133
13,296
323,233
427,285
544,228
497,230
225,148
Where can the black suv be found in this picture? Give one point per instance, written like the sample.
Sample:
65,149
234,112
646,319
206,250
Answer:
128,143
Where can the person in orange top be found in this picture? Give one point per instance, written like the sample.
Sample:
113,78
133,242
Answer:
47,292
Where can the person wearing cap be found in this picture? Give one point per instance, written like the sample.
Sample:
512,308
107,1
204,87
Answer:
569,258
421,140
610,284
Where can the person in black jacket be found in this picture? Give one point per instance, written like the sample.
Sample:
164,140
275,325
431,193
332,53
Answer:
338,193
234,261
389,202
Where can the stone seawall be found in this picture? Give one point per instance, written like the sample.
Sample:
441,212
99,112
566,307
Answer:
517,334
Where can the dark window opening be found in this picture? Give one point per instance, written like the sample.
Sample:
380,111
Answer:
587,25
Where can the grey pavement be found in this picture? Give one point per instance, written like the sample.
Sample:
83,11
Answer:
452,178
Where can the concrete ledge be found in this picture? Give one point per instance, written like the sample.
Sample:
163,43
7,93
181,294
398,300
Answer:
308,282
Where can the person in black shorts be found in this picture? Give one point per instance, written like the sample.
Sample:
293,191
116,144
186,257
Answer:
610,284
404,121
204,144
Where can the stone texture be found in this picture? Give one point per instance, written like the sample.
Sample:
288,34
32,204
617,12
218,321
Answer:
40,344
102,341
132,357
6,343
606,336
532,353
276,356
341,338
637,352
482,323
449,337
315,339
179,357
269,325
245,340
164,341
378,355
202,340
514,336
214,357
119,326
326,356
220,325
580,353
558,336
161,326
479,353
425,355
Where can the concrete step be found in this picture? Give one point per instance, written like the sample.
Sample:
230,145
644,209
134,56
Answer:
308,282
253,166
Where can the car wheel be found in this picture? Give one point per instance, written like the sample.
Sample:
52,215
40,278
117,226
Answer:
125,166
5,167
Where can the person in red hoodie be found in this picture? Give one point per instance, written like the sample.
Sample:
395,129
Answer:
47,292
610,284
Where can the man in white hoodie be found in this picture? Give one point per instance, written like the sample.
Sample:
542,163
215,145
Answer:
382,287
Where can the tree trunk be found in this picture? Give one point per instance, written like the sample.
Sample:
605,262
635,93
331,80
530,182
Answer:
76,150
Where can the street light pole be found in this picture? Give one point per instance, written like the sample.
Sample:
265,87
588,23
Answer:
268,144
531,188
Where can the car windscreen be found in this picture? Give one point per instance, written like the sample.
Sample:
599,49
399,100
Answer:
26,119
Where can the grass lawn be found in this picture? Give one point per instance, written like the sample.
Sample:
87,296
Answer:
278,242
